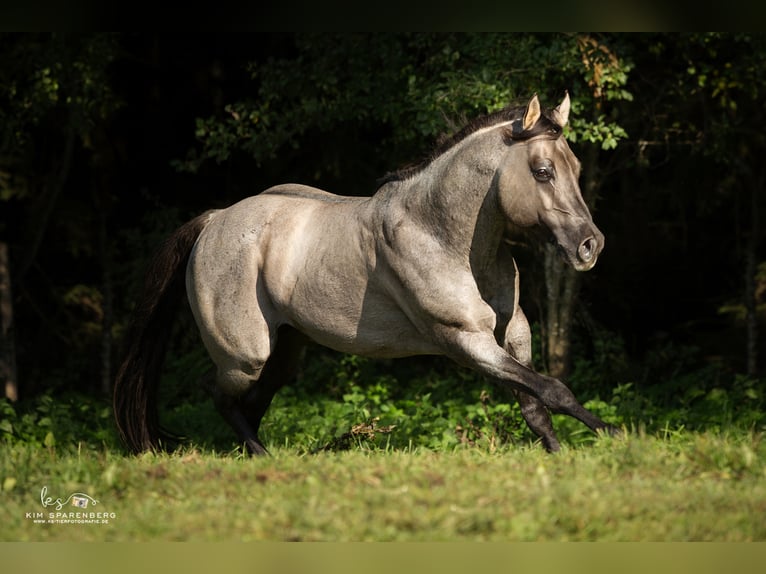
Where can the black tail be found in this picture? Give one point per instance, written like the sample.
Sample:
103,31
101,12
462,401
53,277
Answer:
135,388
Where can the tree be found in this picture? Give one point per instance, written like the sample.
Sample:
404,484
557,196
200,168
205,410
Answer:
8,376
731,87
701,112
54,92
600,78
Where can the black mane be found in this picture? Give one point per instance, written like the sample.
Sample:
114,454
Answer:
509,114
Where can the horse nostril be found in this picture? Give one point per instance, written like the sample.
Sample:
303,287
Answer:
585,252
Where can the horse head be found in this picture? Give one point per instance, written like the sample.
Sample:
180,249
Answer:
538,184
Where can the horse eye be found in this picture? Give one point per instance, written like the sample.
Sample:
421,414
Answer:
542,174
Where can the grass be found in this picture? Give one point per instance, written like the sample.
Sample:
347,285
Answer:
418,452
678,487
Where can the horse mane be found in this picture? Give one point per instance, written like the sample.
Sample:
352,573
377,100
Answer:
445,142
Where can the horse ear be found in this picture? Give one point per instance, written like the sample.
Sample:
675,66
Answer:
532,114
561,112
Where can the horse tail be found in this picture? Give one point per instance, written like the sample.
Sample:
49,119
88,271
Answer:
135,387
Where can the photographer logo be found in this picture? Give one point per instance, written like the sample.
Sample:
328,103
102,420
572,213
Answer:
77,508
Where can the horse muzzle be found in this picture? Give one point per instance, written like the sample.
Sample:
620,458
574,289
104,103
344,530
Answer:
588,251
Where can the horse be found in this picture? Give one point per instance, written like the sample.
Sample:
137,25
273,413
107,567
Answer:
417,268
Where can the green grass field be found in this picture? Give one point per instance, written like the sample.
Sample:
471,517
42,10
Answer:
689,486
437,457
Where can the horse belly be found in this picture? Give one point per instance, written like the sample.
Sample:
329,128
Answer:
329,291
392,336
334,302
380,331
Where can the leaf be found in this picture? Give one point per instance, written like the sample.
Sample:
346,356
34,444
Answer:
6,426
9,483
609,143
50,440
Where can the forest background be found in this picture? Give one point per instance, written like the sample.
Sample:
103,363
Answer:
110,141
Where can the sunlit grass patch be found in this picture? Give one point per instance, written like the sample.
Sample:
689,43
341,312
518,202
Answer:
691,487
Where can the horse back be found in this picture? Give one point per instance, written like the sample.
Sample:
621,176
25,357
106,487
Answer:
290,255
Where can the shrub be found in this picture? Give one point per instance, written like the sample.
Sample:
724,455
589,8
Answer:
67,421
340,401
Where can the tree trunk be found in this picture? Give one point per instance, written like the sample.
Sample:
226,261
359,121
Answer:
7,343
751,303
751,318
107,306
45,206
562,286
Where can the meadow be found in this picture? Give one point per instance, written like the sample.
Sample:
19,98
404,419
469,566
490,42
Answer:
437,460
700,487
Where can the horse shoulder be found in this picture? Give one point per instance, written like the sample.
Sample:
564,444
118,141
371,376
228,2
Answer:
435,286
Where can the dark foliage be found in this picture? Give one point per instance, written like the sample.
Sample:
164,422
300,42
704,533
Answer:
95,170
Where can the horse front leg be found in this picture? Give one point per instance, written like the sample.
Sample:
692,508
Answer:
517,341
479,350
538,419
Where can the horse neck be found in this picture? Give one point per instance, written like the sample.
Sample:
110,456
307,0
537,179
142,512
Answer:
455,198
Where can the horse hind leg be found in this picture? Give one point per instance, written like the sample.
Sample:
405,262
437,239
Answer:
281,369
231,407
262,380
